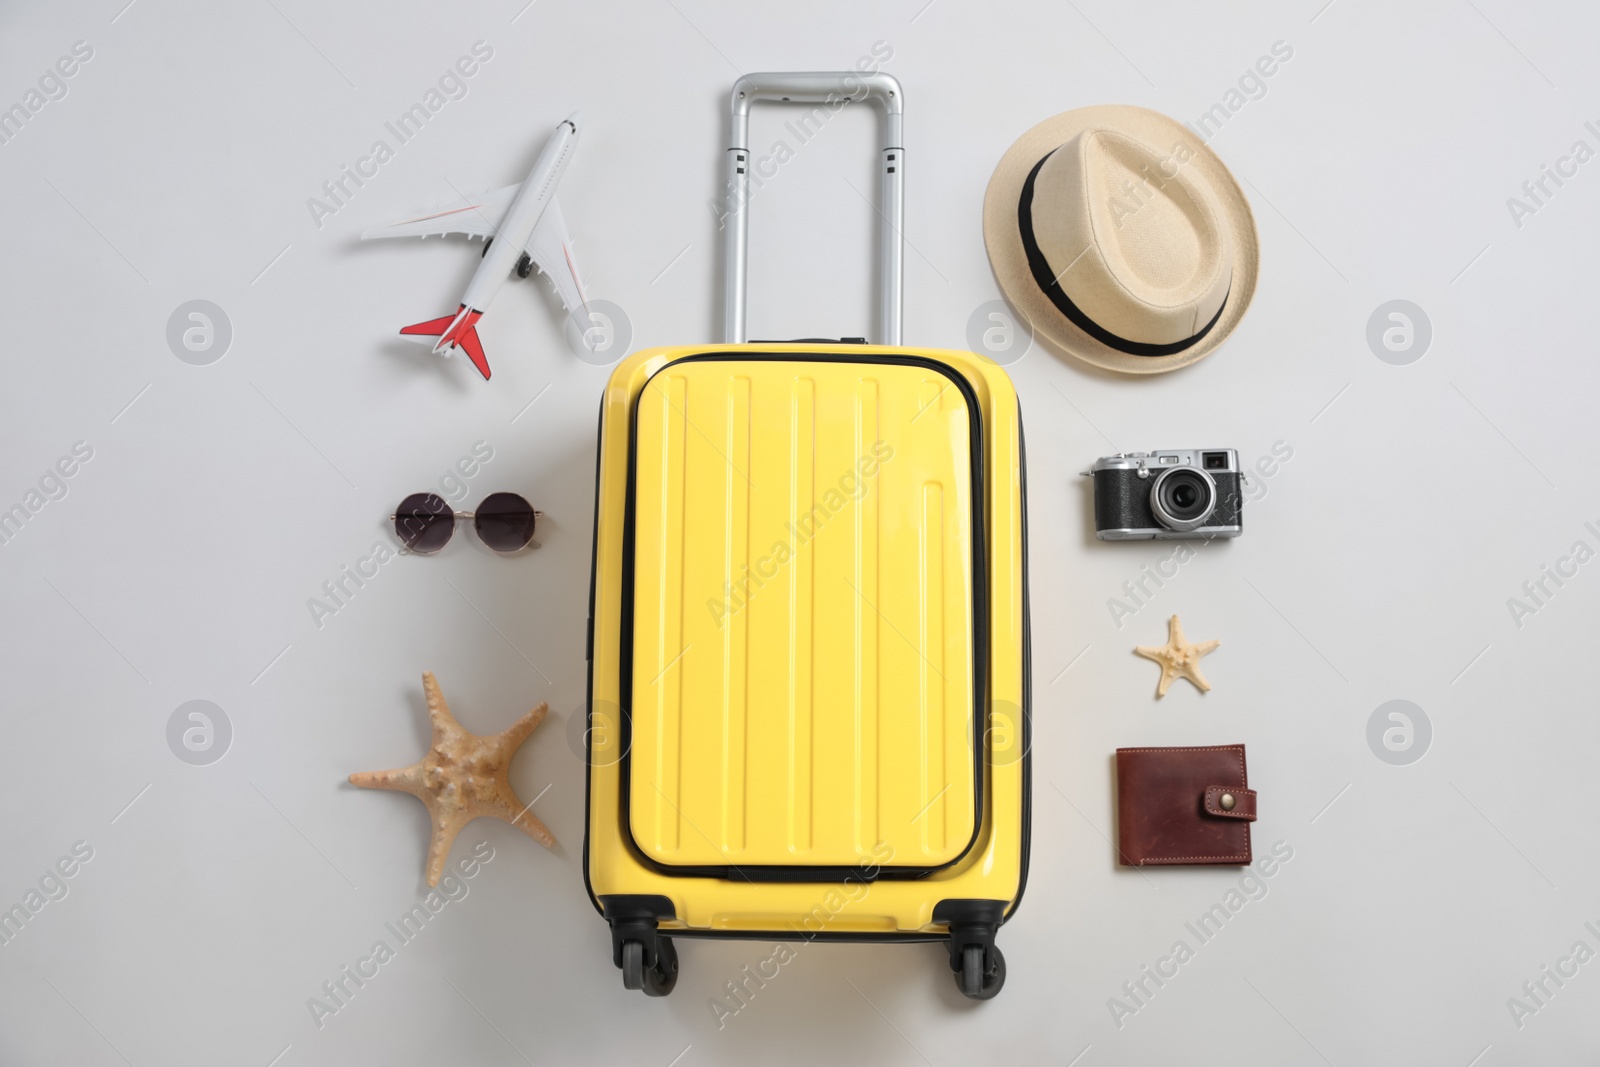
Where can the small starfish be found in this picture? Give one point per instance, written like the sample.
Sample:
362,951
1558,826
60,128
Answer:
1178,658
463,777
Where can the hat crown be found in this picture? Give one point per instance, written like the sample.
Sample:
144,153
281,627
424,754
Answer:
1131,237
1149,218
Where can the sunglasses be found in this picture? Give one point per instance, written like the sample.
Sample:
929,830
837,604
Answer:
424,522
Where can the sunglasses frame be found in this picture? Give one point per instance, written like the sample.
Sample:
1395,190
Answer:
456,516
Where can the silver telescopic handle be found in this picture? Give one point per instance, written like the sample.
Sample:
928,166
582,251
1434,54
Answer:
822,87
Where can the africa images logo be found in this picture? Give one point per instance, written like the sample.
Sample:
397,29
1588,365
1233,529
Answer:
52,86
1538,191
337,992
1541,589
452,85
52,486
852,485
1252,886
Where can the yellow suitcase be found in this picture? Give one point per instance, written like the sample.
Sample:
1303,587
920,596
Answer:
809,662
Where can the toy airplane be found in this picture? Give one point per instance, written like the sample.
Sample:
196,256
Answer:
523,228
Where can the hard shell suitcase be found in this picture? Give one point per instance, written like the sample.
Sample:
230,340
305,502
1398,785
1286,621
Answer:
809,663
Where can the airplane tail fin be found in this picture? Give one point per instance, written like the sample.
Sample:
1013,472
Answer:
455,331
431,328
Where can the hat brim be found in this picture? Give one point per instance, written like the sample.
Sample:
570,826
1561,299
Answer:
1010,262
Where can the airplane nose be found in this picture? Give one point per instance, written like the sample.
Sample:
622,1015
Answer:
576,118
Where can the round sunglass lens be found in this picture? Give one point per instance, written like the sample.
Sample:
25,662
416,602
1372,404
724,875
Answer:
504,521
424,522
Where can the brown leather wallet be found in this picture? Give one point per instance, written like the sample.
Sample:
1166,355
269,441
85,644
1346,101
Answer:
1183,806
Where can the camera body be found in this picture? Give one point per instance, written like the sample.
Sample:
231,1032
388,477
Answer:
1171,494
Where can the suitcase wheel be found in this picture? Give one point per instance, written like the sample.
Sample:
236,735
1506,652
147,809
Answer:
979,966
657,980
977,980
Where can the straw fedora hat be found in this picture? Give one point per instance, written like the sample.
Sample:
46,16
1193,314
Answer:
1121,238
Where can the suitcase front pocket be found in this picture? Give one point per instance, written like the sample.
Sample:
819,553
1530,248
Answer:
804,569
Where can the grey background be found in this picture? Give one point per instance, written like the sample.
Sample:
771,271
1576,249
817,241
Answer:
219,498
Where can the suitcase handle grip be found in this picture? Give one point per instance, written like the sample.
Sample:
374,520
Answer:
816,87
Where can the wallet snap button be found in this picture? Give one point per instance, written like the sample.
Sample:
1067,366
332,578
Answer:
1226,802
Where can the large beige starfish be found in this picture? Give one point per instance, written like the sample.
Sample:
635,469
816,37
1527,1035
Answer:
462,777
1178,658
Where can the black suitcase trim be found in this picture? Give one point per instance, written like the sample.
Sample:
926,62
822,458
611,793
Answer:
980,651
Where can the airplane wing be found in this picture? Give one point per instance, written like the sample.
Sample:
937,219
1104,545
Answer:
550,248
475,216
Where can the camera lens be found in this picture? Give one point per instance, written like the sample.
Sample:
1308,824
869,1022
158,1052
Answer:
1183,499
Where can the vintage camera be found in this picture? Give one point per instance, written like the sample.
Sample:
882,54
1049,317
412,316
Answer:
1168,495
